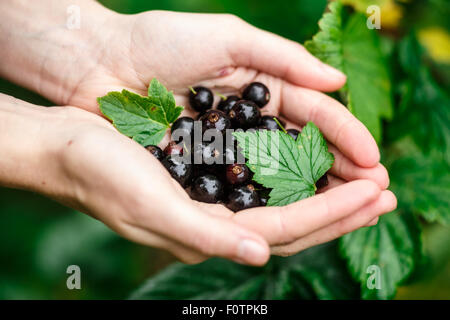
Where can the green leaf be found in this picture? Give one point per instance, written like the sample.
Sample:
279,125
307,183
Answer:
421,186
393,245
369,86
145,119
159,95
213,279
327,43
424,106
348,45
316,273
290,168
314,158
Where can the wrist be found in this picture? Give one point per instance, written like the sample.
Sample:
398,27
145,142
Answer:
31,144
45,49
23,143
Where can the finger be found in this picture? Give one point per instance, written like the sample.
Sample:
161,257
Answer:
338,125
349,171
216,209
290,124
368,215
286,59
210,235
285,224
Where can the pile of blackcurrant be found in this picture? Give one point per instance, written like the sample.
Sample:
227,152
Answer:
210,173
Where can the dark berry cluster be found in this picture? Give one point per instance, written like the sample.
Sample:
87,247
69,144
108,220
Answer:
203,156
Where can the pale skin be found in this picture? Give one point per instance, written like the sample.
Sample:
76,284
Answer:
75,156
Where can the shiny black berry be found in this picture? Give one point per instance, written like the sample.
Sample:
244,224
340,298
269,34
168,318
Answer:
243,197
201,99
267,122
173,149
207,188
293,133
226,104
244,114
215,119
237,173
178,169
156,152
263,200
322,182
182,128
258,93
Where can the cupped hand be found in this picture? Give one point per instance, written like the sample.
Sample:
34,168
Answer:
110,177
224,53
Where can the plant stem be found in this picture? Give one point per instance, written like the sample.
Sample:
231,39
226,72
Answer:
280,125
221,96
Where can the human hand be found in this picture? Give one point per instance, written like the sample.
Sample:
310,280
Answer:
186,51
182,50
82,161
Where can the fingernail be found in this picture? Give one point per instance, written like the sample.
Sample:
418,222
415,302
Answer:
372,222
250,251
332,71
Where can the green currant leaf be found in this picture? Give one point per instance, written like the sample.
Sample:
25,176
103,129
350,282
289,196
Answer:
290,168
159,95
393,247
327,43
314,157
290,192
348,45
316,273
424,105
145,119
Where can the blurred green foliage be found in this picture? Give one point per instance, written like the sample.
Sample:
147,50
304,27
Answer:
293,19
40,238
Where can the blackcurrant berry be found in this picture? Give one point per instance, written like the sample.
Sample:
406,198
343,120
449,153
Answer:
267,122
242,197
207,188
237,173
173,149
226,104
214,169
263,201
293,133
258,93
244,114
178,169
322,182
215,119
182,128
156,152
201,99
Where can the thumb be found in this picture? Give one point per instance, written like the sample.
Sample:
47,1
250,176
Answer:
213,235
264,51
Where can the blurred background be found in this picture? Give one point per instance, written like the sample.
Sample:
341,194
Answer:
40,238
